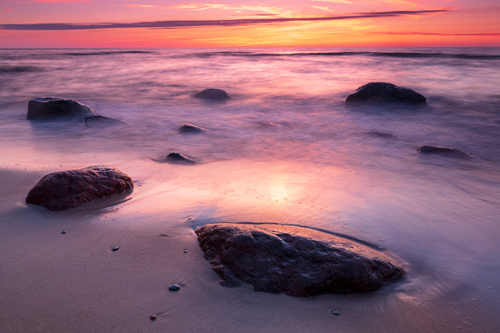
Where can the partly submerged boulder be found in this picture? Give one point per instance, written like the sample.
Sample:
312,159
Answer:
73,188
294,260
54,107
101,121
382,93
190,129
438,150
178,158
212,94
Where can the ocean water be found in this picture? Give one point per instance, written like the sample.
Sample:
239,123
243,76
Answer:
286,148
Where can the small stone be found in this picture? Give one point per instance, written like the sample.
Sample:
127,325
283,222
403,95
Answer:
190,129
174,287
178,158
212,94
185,251
152,317
63,232
336,313
116,248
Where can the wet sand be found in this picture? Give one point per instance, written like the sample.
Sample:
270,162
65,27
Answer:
54,282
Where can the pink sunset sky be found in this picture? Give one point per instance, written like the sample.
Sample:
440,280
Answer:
237,23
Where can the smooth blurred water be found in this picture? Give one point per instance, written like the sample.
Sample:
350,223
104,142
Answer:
286,148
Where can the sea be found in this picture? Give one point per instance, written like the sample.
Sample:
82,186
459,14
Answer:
286,148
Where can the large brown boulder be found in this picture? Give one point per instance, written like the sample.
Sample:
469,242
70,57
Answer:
383,93
73,188
44,108
294,260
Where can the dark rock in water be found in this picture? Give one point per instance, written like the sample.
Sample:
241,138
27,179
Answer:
190,129
174,287
437,150
294,260
73,188
54,107
178,158
212,94
101,121
382,93
382,135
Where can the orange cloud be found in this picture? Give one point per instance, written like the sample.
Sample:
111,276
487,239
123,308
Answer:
323,8
335,1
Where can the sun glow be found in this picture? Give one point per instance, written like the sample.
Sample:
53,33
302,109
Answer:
301,23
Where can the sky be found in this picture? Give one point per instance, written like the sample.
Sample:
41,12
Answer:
242,23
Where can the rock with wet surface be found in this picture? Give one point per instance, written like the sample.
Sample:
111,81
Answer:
385,93
190,129
294,260
439,150
178,158
74,188
46,108
101,121
212,94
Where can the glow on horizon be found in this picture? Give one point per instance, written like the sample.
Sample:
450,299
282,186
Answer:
235,23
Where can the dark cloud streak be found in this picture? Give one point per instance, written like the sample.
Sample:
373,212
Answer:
207,23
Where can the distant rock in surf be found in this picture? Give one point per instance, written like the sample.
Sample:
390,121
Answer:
45,108
382,135
294,260
74,188
101,121
212,94
384,93
178,158
438,150
190,129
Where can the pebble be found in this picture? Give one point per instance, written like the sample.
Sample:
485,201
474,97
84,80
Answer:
336,313
185,251
116,248
63,232
152,317
174,287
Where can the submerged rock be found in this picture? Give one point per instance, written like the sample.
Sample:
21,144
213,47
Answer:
190,129
101,121
382,135
178,158
294,260
74,188
438,150
54,107
212,94
382,93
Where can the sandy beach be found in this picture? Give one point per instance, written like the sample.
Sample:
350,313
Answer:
54,282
